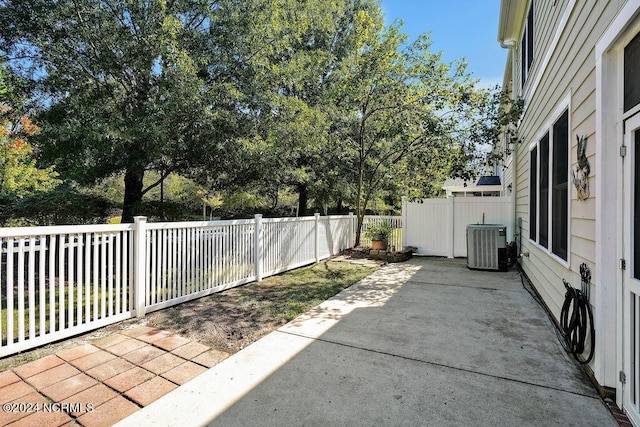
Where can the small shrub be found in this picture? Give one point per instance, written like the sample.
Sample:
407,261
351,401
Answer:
379,231
62,205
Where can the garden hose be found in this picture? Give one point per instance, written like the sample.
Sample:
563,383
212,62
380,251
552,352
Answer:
576,319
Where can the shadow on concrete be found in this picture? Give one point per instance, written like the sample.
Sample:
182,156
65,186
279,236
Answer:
427,342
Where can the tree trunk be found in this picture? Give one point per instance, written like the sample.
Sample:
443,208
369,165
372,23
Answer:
359,207
162,196
132,192
359,221
303,199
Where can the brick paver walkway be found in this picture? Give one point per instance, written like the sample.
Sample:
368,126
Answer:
100,383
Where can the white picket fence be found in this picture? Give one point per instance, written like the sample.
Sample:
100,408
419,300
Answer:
437,227
56,282
60,281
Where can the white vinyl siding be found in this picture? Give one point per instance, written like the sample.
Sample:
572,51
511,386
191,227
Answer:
570,72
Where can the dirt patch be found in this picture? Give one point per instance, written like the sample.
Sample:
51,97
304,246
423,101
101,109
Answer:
226,321
231,320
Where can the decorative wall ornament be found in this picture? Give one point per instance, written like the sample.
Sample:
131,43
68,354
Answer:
580,176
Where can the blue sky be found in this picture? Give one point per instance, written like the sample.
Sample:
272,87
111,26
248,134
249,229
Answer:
459,28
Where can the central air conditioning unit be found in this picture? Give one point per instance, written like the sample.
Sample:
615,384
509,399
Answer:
487,247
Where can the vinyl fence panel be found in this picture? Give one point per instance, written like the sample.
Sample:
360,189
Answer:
438,226
56,282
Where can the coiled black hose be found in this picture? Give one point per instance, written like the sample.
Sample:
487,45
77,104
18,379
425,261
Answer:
576,319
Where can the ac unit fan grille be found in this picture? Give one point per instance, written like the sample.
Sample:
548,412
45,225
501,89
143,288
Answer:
485,249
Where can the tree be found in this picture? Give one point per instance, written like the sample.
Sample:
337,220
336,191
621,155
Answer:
304,82
19,174
404,116
122,84
290,50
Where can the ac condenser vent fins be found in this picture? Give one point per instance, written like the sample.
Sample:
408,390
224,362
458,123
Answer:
486,246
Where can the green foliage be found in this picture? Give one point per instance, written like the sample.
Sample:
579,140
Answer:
174,189
19,174
125,84
62,205
379,231
289,145
404,119
248,100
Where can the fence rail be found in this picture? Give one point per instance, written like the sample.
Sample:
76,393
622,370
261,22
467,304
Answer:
60,281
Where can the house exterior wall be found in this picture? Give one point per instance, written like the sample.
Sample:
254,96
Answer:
562,75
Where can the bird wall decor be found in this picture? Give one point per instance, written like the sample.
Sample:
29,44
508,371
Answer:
580,176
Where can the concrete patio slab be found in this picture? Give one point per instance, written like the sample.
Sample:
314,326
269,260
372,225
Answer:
492,331
427,342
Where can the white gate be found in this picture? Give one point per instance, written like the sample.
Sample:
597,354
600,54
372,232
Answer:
438,226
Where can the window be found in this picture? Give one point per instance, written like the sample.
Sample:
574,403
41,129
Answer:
560,189
549,197
631,69
543,192
526,47
533,194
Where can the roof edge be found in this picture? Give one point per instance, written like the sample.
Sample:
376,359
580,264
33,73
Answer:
512,15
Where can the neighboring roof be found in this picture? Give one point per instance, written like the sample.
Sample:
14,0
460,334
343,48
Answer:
488,180
483,184
512,15
483,180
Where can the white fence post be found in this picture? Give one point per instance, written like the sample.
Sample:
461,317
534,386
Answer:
452,213
317,236
354,224
257,247
404,222
139,267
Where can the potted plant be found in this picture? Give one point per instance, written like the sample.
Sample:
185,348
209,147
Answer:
379,234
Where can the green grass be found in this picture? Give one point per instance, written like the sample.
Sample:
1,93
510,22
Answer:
4,311
287,295
284,296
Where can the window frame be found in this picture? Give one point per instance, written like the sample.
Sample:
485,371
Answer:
548,130
527,46
533,192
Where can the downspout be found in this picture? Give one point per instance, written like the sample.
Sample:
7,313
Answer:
511,44
514,160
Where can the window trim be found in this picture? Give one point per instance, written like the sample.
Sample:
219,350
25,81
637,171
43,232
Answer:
547,128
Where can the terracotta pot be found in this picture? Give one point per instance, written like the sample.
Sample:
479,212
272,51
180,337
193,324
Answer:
378,245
